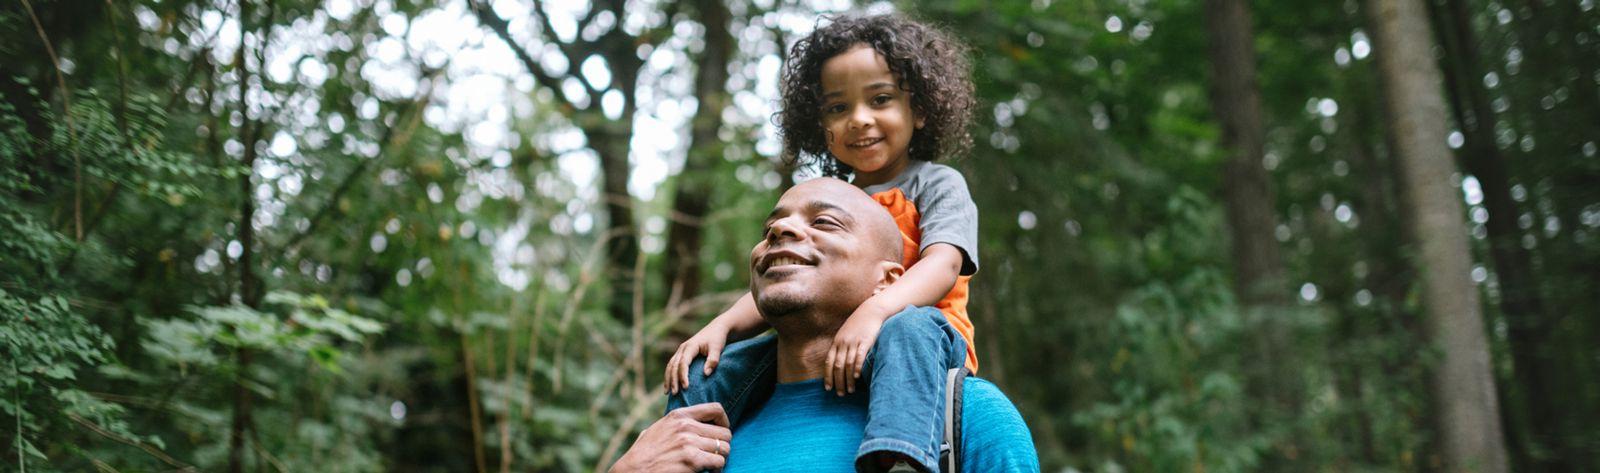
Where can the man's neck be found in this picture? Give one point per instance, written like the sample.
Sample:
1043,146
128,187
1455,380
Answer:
802,352
802,358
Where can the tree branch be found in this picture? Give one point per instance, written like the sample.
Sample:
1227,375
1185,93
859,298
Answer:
577,50
202,57
147,448
502,29
548,31
72,131
589,18
654,36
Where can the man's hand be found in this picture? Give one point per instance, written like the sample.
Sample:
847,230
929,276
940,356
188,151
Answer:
708,341
688,439
850,347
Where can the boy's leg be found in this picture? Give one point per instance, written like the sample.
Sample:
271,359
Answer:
746,373
904,377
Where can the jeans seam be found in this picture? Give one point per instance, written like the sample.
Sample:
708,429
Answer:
750,381
901,447
925,453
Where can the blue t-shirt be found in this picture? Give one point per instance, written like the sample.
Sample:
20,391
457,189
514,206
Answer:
803,428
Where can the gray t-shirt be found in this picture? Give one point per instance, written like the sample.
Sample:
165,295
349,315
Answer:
947,214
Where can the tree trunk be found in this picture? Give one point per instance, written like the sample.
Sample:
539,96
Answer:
785,168
474,411
1585,58
610,138
1520,302
1386,279
691,203
249,281
1468,419
615,143
249,293
611,142
1259,281
1236,102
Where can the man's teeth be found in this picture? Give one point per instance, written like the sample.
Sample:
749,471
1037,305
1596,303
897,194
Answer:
784,260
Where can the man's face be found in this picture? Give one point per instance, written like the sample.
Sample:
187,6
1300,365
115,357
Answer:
817,252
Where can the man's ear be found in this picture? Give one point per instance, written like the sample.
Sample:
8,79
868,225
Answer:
889,272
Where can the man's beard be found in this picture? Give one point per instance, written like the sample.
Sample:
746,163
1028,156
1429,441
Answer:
778,306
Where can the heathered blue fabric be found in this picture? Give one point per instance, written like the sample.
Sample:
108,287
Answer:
803,428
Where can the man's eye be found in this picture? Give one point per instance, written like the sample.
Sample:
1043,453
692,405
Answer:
824,221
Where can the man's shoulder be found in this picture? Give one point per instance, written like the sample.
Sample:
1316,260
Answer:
994,436
976,384
981,399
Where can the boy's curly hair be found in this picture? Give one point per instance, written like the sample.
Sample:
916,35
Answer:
929,63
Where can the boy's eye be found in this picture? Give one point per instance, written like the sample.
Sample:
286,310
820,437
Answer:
832,109
881,99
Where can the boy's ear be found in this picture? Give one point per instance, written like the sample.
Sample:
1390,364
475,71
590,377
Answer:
918,119
890,272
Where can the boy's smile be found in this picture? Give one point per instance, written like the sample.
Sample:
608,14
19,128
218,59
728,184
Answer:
866,115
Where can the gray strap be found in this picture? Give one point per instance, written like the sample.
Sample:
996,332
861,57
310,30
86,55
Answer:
950,450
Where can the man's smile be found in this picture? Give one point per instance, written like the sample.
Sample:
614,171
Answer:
781,262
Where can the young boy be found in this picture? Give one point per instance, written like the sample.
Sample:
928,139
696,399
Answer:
879,97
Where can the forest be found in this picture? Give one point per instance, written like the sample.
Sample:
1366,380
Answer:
466,235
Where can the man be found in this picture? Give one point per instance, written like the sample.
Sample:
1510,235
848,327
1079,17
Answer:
827,248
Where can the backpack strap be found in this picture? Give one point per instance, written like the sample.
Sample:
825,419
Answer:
950,451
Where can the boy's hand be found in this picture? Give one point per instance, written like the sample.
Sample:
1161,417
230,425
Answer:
708,341
849,350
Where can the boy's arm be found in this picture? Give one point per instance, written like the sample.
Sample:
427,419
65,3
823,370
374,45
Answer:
742,320
737,323
923,284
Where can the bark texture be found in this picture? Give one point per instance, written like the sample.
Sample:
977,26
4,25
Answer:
250,290
1257,263
1520,302
692,199
1468,421
1236,102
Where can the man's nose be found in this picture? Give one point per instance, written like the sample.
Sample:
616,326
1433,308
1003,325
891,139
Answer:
785,229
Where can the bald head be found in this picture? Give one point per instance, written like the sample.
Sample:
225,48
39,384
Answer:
878,227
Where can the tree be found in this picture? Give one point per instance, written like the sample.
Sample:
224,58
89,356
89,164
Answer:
419,282
1259,276
1520,302
691,201
610,137
1467,415
1236,102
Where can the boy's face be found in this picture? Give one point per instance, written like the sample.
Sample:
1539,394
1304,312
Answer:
867,117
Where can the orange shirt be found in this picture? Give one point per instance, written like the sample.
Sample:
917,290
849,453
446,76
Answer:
954,304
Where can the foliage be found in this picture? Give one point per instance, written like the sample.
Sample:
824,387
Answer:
47,341
422,219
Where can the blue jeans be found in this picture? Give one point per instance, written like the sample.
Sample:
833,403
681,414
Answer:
903,377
